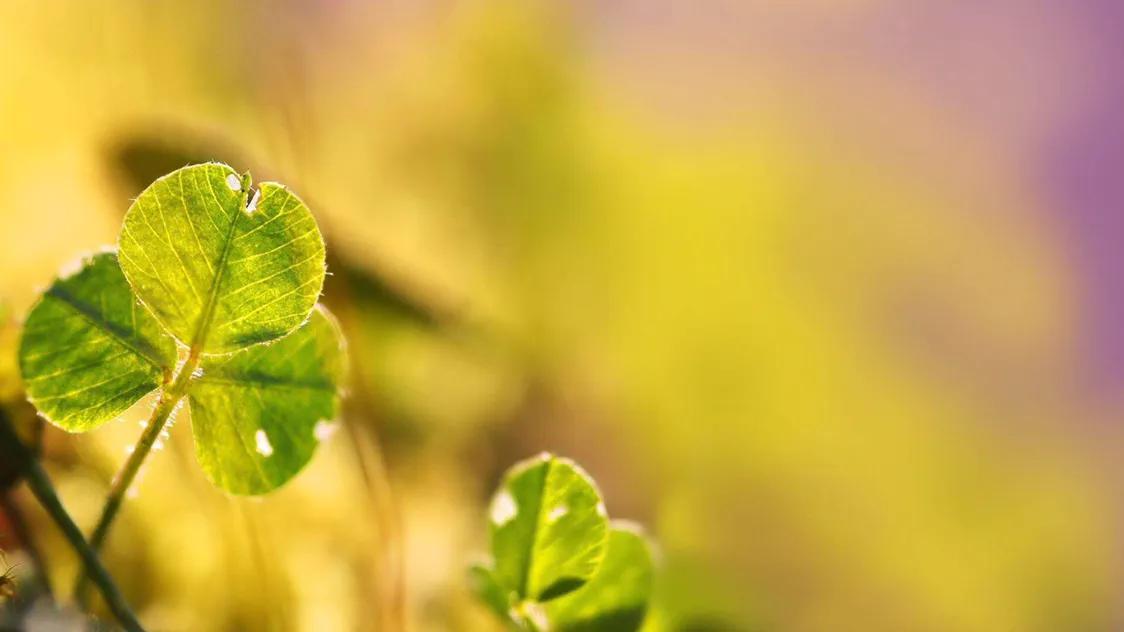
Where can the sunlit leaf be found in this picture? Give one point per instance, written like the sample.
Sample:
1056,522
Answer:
254,413
89,350
220,266
616,598
549,529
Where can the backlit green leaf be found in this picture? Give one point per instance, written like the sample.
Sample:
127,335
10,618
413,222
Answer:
548,527
220,266
616,599
89,350
255,413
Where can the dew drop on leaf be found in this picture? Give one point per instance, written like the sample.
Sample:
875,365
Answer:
557,513
504,509
264,447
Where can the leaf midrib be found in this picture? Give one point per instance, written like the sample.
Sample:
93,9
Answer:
523,590
202,329
265,383
149,354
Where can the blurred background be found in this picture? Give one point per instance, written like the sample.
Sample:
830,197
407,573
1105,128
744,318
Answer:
826,293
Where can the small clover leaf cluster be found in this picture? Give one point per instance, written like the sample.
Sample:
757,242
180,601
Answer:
211,295
558,562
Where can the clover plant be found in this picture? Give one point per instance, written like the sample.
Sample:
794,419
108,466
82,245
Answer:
209,298
557,562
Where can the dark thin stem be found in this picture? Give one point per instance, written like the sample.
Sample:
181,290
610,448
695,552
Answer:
40,485
128,473
37,432
23,534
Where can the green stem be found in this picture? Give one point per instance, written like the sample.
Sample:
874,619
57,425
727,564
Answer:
128,473
40,485
164,409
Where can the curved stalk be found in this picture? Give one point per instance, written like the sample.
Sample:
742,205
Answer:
128,473
40,485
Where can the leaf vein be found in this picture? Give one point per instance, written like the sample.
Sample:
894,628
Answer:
88,387
74,369
172,247
155,271
292,241
314,255
104,327
265,305
190,223
265,383
285,210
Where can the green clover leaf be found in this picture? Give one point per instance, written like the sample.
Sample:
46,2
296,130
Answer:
549,529
557,562
233,275
219,268
89,351
254,413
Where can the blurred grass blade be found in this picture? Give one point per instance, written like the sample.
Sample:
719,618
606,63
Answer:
89,350
220,266
548,528
254,413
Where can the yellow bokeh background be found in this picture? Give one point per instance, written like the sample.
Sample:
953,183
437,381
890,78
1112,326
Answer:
812,329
